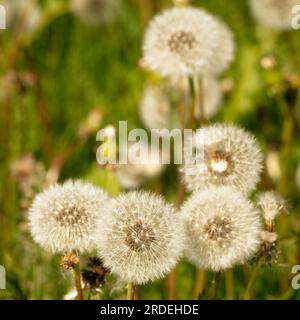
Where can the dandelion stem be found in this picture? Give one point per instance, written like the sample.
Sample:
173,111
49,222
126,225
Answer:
229,284
190,124
130,291
171,277
181,3
214,286
248,292
180,194
78,286
171,285
199,99
286,137
146,11
199,283
292,47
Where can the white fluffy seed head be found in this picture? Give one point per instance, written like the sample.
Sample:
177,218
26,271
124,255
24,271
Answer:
142,238
271,204
276,14
222,227
229,156
95,12
187,41
62,218
155,109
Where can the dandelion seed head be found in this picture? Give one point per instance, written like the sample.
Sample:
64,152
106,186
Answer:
143,238
276,14
187,41
155,109
62,218
271,205
230,157
222,228
181,42
139,237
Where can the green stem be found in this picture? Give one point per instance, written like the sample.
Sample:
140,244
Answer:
146,11
248,292
199,99
78,285
229,284
130,291
199,283
191,115
214,286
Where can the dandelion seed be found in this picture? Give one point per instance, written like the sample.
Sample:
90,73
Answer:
62,218
231,157
276,14
187,41
222,228
142,238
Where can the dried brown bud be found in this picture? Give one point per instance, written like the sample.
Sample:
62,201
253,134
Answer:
69,261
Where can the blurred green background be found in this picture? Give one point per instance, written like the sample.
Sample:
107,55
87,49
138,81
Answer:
52,78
